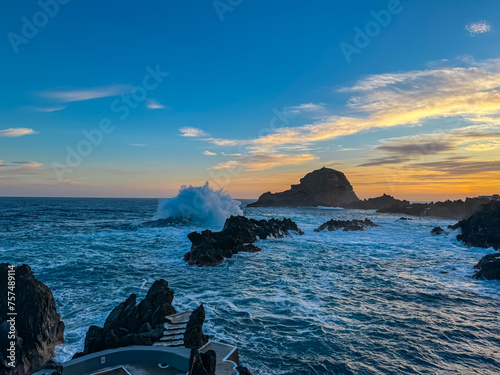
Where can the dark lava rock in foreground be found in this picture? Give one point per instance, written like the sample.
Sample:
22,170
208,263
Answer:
202,363
488,267
437,231
239,233
348,225
482,228
37,326
323,187
132,324
194,336
449,209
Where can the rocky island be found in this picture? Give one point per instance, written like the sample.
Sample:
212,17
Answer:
323,187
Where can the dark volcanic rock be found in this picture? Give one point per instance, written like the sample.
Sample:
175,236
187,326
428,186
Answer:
243,370
194,337
323,187
378,203
132,324
405,218
239,233
437,231
482,228
202,363
488,267
348,225
38,325
448,209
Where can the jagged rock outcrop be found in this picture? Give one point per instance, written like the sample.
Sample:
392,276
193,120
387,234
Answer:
482,228
239,233
377,203
133,324
405,218
488,268
202,363
323,187
458,209
348,225
38,326
194,336
437,231
243,370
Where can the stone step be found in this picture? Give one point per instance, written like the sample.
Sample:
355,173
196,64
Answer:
172,338
180,318
170,343
170,332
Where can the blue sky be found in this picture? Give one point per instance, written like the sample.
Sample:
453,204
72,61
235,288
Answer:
231,69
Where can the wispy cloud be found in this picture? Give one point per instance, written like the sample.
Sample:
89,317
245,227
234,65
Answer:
192,132
477,28
154,104
86,94
306,107
16,132
138,145
209,153
50,109
18,167
263,162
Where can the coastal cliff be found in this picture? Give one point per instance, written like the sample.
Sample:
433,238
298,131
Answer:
323,187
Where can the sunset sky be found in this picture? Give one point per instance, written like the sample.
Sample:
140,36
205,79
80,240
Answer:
135,99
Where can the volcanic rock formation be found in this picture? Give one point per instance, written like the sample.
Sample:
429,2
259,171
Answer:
133,324
239,233
323,187
482,228
37,327
488,267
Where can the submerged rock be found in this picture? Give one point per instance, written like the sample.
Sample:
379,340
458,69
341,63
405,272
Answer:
437,231
482,228
38,326
194,336
239,233
488,267
348,225
132,324
323,187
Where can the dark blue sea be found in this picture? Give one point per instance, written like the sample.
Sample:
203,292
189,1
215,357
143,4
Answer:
390,300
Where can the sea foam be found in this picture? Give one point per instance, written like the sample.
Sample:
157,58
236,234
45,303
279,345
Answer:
199,205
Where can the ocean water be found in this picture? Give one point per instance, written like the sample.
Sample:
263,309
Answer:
390,300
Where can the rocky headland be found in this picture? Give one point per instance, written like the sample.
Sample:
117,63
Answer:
239,234
37,328
458,209
384,201
323,187
347,225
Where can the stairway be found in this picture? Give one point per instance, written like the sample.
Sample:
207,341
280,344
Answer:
174,329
